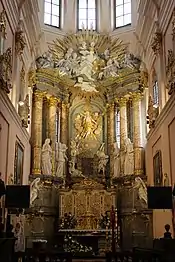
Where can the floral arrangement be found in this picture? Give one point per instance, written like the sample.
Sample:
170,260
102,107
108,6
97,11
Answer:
68,221
74,247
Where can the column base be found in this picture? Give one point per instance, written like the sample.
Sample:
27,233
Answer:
36,171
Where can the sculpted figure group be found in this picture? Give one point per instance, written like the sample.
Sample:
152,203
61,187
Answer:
124,159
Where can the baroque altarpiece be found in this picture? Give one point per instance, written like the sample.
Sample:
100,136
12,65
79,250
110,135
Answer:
81,147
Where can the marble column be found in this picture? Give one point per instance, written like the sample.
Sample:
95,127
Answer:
37,131
64,123
137,141
123,131
53,102
110,134
110,127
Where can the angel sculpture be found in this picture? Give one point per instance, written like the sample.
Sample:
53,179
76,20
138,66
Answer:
34,189
142,189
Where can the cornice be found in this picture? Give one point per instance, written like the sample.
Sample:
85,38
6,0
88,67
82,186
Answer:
162,116
121,31
12,111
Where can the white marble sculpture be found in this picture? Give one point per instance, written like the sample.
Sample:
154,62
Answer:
46,158
61,159
85,86
73,171
129,158
142,189
34,190
116,156
102,159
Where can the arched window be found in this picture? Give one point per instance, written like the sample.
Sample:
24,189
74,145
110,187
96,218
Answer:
122,9
87,14
156,94
117,127
52,12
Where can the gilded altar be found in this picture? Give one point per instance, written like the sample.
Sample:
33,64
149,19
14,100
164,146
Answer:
88,201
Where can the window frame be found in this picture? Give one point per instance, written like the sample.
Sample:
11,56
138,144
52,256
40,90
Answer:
115,26
51,14
156,93
96,15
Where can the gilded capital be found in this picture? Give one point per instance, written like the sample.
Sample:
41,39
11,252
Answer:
20,42
3,23
137,97
157,43
38,95
31,78
53,101
122,101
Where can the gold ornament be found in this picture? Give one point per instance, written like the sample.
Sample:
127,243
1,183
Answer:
31,78
152,113
170,72
87,125
157,43
3,23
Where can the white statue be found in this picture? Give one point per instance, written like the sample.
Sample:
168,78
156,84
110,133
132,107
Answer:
46,158
85,85
34,190
61,160
116,156
102,164
129,158
73,171
106,54
110,69
73,148
142,189
103,159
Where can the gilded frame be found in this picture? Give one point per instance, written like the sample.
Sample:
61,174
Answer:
19,162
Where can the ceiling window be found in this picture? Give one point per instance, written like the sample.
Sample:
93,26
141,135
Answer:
52,12
87,14
122,13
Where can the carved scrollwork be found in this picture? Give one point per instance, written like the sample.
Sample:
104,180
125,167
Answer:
157,43
152,113
170,72
19,42
6,70
24,112
3,23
